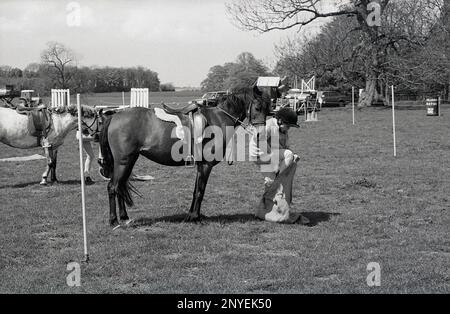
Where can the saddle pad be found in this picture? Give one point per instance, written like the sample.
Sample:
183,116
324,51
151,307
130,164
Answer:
164,116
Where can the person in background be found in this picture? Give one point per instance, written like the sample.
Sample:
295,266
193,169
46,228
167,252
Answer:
87,147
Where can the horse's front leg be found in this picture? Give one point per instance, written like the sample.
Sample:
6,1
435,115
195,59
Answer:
203,172
53,172
48,156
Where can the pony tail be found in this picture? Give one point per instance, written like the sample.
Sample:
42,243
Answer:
107,165
123,190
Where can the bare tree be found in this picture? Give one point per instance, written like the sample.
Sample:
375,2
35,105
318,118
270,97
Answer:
60,60
376,40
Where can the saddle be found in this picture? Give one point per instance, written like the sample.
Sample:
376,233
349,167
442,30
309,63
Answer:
183,110
193,115
39,121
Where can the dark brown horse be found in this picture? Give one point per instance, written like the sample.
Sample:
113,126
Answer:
138,131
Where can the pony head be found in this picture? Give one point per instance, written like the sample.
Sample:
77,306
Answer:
259,108
250,103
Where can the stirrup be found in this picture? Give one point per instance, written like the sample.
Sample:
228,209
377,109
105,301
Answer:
190,161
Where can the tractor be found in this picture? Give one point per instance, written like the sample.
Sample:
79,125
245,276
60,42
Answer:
7,93
26,96
28,100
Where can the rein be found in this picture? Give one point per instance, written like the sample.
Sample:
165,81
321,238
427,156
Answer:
237,120
89,127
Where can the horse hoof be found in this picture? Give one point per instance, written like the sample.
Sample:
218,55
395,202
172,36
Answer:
43,182
191,218
88,181
114,224
101,173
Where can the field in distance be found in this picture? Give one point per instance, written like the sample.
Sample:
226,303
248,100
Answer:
96,99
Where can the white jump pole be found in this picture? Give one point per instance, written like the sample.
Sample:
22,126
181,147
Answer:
439,106
123,99
353,104
83,200
393,122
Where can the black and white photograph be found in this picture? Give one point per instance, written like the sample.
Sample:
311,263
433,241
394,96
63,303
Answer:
235,148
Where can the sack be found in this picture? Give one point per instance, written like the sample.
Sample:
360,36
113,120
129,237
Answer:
275,204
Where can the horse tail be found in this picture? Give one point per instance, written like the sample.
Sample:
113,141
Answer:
124,191
107,164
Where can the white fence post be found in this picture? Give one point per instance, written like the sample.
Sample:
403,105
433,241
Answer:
60,98
139,97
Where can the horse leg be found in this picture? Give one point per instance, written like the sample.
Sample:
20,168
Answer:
203,172
118,187
112,203
123,188
48,155
53,172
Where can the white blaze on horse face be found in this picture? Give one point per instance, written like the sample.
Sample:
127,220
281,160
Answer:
14,129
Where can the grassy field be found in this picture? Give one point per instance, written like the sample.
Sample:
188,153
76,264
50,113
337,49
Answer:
364,205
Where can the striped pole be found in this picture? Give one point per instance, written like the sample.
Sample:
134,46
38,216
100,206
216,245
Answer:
83,200
393,122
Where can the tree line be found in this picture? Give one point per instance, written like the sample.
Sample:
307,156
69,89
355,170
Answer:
242,72
58,69
366,44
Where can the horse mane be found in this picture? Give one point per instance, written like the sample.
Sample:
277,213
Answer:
86,111
239,98
232,102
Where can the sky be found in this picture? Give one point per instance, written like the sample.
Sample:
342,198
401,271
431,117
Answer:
179,39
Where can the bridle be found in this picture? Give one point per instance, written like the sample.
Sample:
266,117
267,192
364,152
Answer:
235,119
238,121
91,131
245,126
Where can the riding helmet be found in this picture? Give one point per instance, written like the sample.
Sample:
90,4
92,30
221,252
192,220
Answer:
288,117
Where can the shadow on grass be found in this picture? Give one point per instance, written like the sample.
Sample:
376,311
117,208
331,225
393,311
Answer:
36,183
317,217
314,219
179,218
19,185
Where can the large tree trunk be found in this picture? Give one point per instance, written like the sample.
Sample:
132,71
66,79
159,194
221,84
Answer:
370,92
373,90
